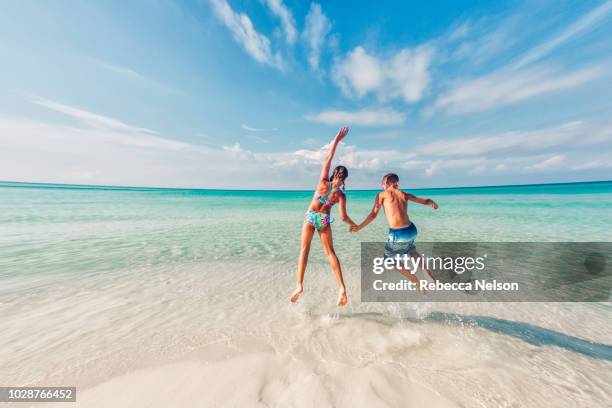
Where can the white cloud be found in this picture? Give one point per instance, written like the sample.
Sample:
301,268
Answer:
286,17
435,167
130,73
359,73
48,152
258,139
404,75
573,133
89,118
549,163
364,117
514,166
506,87
348,155
594,164
256,129
241,27
235,148
102,150
515,154
316,29
525,78
587,21
526,164
459,32
500,167
481,40
409,73
120,70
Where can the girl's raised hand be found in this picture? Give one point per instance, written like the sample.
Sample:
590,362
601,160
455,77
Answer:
341,133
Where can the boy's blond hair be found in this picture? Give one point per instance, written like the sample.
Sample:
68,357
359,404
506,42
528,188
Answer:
390,179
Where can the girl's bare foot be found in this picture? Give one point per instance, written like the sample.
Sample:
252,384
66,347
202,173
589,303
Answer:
342,300
298,291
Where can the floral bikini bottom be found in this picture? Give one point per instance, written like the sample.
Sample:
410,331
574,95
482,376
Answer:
318,220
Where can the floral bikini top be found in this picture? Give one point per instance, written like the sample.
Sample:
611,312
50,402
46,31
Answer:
324,199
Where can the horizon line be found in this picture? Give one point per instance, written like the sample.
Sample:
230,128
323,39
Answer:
101,186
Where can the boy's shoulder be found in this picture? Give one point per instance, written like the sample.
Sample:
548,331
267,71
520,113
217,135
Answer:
388,193
406,193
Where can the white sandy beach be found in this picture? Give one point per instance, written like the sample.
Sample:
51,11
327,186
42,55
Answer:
249,347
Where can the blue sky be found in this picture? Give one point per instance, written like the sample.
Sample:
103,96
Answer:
246,94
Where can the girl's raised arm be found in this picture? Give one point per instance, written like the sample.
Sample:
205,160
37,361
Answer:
330,154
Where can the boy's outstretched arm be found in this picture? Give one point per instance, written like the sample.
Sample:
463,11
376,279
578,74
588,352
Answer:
424,201
371,216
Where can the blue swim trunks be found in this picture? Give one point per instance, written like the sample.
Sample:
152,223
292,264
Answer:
401,241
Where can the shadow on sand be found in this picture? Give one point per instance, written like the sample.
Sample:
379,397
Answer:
536,335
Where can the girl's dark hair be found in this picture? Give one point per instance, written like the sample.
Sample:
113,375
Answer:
340,172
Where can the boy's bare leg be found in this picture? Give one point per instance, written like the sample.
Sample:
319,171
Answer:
426,272
413,278
307,234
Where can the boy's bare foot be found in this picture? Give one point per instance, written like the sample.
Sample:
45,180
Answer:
342,299
298,291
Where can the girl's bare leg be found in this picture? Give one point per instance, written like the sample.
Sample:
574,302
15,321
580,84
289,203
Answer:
328,246
307,234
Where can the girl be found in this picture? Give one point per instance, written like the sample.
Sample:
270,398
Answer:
329,191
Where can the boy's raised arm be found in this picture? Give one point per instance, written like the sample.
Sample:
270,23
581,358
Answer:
371,216
424,201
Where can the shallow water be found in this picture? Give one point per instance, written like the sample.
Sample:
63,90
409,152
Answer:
121,288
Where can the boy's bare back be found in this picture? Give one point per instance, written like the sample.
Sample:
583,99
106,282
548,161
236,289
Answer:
395,203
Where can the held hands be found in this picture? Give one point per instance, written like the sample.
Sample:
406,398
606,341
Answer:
341,134
354,228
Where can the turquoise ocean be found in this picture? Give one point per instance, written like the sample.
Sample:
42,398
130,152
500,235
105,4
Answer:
98,284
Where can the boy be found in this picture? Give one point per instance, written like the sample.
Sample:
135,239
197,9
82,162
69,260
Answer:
402,232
